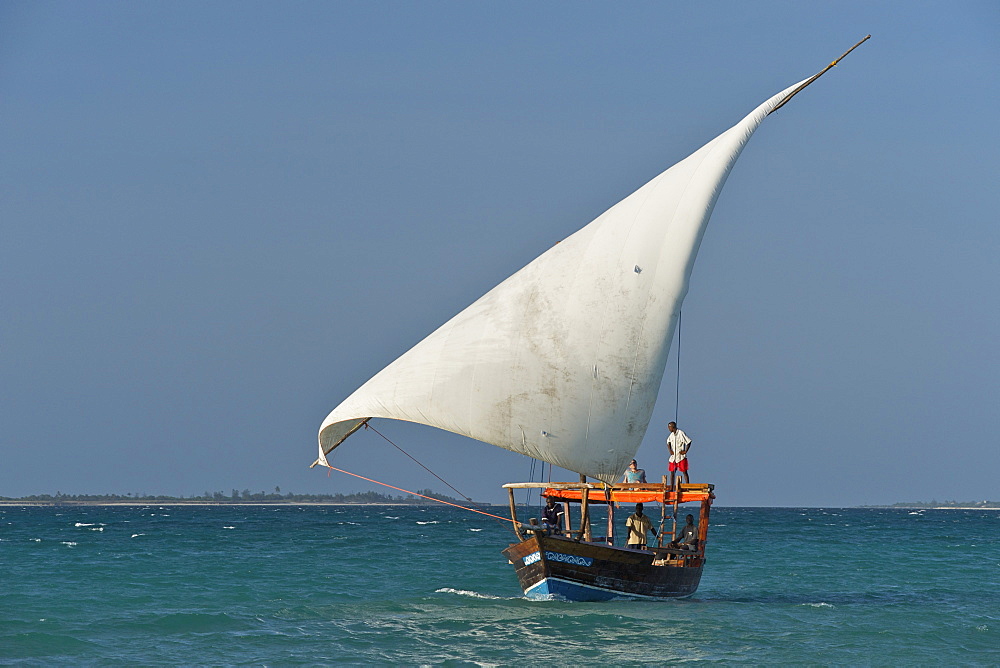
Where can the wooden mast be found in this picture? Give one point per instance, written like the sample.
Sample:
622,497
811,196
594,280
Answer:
817,76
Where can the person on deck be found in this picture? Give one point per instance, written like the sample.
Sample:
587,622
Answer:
552,517
634,474
687,536
637,525
678,444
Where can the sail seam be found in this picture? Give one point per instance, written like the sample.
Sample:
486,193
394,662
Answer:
604,316
666,230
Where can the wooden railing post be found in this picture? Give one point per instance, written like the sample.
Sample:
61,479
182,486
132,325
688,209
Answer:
663,514
706,506
513,514
611,521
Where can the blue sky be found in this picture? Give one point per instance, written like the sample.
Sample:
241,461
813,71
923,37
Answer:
218,219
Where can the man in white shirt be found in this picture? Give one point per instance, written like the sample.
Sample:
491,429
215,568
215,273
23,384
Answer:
678,444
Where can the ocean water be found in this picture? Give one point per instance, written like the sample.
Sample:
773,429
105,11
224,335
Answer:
383,585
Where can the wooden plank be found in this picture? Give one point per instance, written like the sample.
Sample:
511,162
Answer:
597,495
685,487
551,485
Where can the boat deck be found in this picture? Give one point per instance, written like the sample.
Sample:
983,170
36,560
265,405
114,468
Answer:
635,493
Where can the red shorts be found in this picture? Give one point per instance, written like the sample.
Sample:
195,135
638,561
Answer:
681,466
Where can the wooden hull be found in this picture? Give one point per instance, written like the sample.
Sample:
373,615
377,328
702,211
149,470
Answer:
557,567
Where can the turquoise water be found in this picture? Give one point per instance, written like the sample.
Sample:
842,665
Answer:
401,585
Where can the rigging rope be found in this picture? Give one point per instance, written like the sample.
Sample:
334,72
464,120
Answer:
677,388
467,498
429,498
531,478
368,426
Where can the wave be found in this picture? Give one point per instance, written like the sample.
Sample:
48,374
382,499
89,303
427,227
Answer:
473,594
188,622
431,522
82,524
69,543
41,647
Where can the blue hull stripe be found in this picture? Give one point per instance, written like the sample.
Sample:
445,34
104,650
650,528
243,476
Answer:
575,591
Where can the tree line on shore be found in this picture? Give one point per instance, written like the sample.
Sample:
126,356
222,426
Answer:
944,504
236,496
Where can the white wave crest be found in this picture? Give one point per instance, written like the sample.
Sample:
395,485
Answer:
82,524
97,528
136,535
431,522
475,529
466,592
819,605
228,527
69,543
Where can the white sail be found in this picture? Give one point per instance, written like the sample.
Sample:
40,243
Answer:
563,361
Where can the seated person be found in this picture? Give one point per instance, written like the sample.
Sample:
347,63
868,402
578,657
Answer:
634,474
552,516
687,536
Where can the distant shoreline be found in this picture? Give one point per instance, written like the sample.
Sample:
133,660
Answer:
176,502
63,504
931,507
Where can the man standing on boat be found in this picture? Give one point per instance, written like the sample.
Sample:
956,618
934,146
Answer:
678,443
637,525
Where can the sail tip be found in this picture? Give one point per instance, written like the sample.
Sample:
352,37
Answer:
817,75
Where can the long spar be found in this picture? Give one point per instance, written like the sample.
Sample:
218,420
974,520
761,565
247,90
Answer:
818,75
